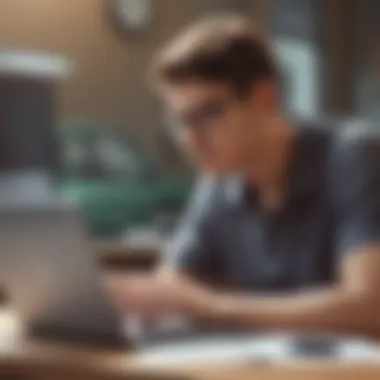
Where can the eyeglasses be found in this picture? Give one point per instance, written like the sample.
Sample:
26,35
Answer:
201,118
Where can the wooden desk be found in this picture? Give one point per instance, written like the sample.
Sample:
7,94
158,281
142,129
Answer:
32,360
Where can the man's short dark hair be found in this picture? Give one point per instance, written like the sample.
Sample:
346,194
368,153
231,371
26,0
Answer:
225,48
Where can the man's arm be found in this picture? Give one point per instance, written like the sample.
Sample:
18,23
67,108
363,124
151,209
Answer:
192,251
353,303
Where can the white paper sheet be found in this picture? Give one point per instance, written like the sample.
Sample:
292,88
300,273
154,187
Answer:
275,348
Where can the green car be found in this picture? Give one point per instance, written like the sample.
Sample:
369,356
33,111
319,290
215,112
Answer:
114,182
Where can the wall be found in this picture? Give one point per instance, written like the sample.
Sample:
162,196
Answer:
330,29
294,26
108,84
339,44
367,86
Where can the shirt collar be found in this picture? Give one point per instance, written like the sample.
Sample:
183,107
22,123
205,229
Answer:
303,172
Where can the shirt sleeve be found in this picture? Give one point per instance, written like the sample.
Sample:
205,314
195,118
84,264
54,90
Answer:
356,186
193,249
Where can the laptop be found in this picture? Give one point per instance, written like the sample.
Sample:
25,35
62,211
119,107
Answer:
52,278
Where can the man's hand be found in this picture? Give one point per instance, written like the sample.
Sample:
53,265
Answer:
153,296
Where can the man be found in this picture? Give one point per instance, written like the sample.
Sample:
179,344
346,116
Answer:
287,214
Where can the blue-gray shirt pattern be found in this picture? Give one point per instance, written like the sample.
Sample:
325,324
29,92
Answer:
331,207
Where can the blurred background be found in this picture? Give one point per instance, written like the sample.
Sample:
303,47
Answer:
76,113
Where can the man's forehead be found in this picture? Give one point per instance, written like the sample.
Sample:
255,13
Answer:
187,94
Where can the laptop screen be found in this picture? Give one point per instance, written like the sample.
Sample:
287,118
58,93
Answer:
27,138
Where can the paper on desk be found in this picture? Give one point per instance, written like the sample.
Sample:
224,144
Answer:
249,348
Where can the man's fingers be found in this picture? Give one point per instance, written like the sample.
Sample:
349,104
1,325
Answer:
134,297
145,296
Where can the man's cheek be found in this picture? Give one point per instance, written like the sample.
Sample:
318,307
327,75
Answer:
226,148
